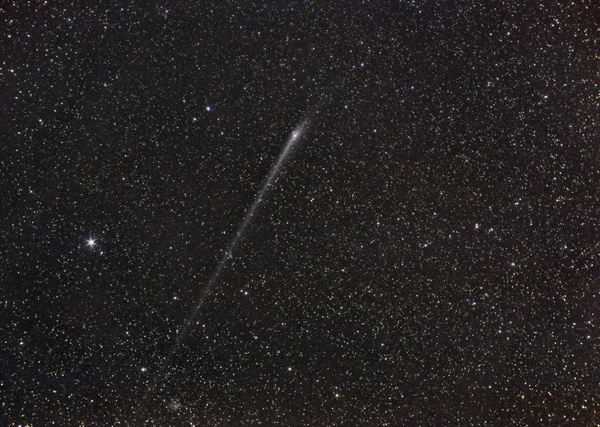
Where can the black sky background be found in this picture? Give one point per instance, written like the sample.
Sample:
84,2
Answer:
429,256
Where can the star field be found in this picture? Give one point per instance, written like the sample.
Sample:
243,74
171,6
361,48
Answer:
429,254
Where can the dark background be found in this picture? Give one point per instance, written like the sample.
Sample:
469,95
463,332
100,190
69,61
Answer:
430,255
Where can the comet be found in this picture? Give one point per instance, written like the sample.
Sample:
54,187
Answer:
292,141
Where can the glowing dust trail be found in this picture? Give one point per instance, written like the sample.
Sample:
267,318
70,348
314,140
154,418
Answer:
162,373
292,140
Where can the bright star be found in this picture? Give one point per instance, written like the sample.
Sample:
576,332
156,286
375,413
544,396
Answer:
91,243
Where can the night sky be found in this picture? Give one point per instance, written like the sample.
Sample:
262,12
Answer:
429,253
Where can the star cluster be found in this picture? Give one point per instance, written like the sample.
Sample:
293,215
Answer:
429,256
